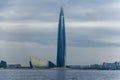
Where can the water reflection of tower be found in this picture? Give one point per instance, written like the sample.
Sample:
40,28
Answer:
61,44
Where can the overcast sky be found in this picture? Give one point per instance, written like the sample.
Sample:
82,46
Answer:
29,28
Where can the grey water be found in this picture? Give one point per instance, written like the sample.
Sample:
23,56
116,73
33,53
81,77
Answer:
7,74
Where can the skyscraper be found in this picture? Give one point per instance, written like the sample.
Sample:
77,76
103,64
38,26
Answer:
61,43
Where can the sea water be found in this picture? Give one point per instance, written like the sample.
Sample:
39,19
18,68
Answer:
58,74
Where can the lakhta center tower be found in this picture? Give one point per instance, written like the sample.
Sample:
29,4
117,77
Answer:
61,43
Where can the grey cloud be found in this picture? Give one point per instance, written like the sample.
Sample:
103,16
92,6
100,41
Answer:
79,40
39,36
48,10
29,10
91,37
4,4
93,10
77,37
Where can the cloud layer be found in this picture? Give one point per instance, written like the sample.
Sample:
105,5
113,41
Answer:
31,25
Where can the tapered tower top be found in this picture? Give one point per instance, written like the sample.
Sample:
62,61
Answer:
61,11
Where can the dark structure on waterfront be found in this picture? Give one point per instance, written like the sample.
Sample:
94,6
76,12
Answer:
3,64
61,44
14,66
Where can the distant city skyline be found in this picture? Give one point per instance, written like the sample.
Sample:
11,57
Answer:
29,28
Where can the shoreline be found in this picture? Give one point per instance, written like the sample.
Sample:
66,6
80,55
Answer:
56,69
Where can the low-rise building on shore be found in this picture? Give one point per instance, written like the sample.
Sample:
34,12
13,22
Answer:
40,63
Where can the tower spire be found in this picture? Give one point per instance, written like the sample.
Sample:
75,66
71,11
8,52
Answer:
61,11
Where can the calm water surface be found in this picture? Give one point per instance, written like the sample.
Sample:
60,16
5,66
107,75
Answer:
59,75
